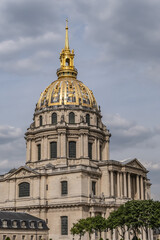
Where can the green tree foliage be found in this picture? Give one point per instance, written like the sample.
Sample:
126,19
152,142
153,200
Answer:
99,224
89,225
7,238
133,216
117,220
78,228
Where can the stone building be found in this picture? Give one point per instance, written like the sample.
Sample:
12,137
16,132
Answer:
68,173
22,226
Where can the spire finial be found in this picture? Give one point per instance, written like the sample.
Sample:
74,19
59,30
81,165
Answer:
66,39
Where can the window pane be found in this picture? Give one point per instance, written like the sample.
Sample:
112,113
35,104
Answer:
39,151
54,118
88,119
64,187
24,189
100,152
53,149
94,188
90,150
71,117
64,225
40,121
72,149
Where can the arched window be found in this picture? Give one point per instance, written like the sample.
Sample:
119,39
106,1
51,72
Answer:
71,117
72,149
24,189
40,120
54,118
67,62
53,149
88,119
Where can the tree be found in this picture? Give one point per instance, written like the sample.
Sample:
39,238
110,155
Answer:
134,216
99,224
117,221
89,226
79,228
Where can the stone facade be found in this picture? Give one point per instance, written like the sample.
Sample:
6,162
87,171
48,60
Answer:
68,173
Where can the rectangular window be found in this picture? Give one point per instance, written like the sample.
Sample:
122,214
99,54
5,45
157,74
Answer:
64,187
39,151
94,188
4,237
72,149
53,149
14,237
100,152
64,225
90,150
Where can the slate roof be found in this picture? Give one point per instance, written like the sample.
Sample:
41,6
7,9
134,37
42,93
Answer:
20,220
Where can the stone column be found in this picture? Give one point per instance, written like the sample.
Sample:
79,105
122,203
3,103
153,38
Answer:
95,141
63,144
28,150
85,142
125,184
118,188
45,156
106,157
59,146
142,189
129,185
137,183
98,150
121,185
112,184
82,146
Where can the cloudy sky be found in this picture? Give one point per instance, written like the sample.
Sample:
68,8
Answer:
117,47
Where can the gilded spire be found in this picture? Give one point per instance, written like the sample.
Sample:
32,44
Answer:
67,60
66,39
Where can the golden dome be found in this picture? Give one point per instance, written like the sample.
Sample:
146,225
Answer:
67,90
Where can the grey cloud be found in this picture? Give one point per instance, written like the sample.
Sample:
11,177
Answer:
127,134
28,17
9,134
12,154
123,29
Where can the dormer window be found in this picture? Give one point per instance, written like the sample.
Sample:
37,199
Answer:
4,224
32,225
14,224
23,224
40,225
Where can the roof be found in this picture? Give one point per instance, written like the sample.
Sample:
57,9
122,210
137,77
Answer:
21,220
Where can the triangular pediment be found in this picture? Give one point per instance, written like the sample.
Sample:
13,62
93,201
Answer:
135,163
22,172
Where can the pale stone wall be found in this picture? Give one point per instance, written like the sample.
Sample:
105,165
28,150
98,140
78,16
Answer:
18,234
